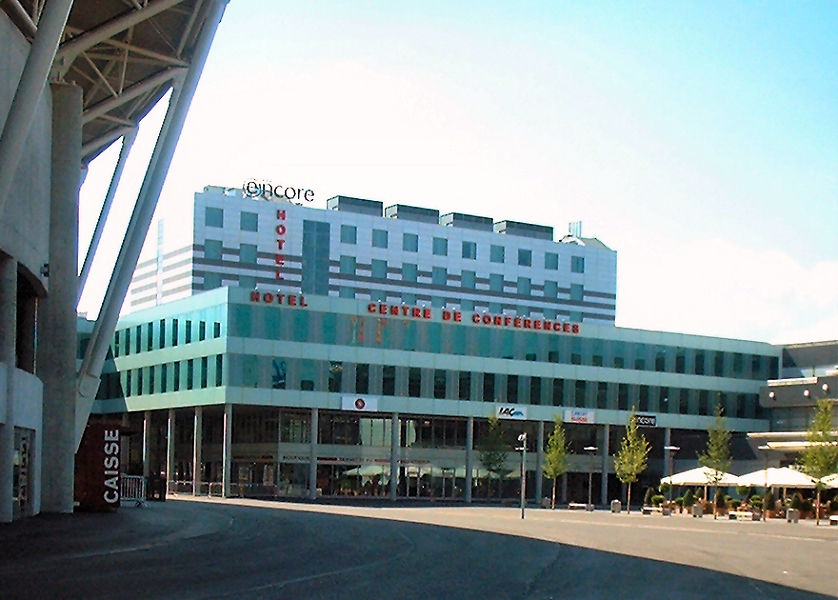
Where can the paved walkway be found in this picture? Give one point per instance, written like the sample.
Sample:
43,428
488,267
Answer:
251,549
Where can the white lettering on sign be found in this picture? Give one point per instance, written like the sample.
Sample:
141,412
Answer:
111,466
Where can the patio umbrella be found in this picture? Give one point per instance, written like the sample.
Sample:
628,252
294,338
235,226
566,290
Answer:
784,477
831,481
700,476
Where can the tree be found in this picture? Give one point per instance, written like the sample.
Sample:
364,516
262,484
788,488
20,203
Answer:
630,461
716,456
820,458
555,458
493,450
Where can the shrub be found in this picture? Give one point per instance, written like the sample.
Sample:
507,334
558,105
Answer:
806,506
735,504
679,501
699,494
743,491
689,499
768,500
647,499
833,505
756,501
657,499
721,500
796,501
664,488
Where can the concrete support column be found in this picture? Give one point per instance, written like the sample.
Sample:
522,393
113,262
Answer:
394,456
146,443
606,434
170,448
8,336
539,463
197,450
312,461
57,321
227,451
469,458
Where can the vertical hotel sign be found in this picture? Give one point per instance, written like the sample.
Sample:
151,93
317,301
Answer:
281,230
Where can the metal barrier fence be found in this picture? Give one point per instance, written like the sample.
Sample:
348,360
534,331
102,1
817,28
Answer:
132,488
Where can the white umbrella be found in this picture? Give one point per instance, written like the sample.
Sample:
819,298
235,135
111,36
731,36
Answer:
701,476
831,481
777,477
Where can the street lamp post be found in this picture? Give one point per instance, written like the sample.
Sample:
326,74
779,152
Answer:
590,450
671,450
523,448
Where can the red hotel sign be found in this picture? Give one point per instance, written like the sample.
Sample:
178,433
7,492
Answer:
426,314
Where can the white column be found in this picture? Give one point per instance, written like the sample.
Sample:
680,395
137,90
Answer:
394,456
227,451
197,450
469,458
170,448
57,319
539,463
312,461
606,433
8,336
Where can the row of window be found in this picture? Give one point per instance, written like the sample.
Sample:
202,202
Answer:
468,279
492,342
440,247
414,382
154,335
191,374
214,217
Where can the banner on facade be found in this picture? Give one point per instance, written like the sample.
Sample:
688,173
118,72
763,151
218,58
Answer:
646,420
510,411
578,415
359,403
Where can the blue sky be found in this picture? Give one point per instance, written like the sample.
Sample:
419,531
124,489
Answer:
699,140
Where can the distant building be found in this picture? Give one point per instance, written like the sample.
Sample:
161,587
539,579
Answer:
356,249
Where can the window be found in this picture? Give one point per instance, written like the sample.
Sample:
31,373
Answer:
551,261
551,289
188,332
247,254
470,250
212,249
214,217
439,276
161,334
164,371
496,254
414,382
219,369
212,281
524,257
362,379
576,292
535,390
524,286
348,234
149,338
440,246
176,377
347,265
204,371
249,221
464,385
577,264
174,332
388,381
409,272
379,268
379,238
410,242
216,330
488,387
439,383
137,337
190,374
512,389
496,282
335,375
468,279
202,331
247,282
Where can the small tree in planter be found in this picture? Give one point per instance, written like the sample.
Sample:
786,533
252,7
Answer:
647,499
820,457
657,499
555,458
689,499
717,455
631,459
768,503
679,502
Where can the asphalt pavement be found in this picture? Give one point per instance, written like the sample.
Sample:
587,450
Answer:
249,549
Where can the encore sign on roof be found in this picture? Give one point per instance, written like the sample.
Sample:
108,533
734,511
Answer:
424,313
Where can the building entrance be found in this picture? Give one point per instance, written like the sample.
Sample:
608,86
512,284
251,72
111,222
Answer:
22,473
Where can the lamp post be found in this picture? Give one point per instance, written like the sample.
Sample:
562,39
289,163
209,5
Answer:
671,450
590,450
523,448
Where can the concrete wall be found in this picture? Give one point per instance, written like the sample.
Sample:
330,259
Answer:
24,223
